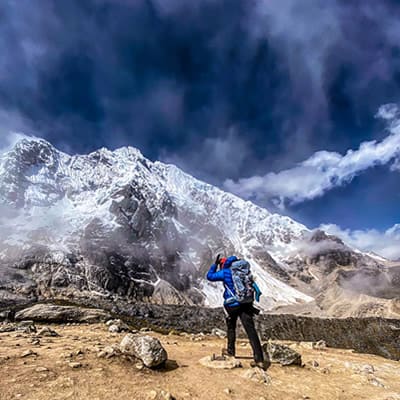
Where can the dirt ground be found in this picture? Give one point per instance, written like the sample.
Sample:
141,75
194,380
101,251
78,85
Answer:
68,367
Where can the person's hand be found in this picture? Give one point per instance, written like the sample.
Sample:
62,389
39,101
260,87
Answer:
217,260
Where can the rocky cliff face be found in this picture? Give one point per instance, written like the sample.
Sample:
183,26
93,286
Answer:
114,225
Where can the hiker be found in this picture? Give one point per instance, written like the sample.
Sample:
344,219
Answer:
240,290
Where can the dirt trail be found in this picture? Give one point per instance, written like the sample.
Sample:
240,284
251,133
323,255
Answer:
50,374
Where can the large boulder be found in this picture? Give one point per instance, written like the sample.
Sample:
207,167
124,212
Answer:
55,313
284,355
146,348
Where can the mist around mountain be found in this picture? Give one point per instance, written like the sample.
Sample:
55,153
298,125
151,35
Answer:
115,225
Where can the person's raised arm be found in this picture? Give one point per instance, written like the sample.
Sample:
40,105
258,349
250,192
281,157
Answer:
214,275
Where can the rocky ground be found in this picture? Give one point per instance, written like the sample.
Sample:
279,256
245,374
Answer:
82,361
378,336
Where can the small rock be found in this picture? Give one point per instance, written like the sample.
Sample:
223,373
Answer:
146,348
45,331
163,395
139,365
28,353
152,395
66,355
374,381
26,326
313,363
8,327
367,369
109,351
145,329
228,391
166,395
117,325
320,345
257,375
113,329
75,364
35,341
218,332
41,369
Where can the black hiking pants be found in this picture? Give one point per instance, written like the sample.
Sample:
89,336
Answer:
246,313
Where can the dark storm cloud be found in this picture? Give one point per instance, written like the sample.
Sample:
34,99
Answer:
268,81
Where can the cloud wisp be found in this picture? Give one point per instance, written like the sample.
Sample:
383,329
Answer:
324,170
8,141
386,244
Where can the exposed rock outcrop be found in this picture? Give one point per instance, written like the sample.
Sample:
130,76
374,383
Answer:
56,313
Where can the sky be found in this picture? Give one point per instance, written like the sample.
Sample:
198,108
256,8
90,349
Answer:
291,104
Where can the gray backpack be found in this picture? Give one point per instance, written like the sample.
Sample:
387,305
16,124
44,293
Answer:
242,281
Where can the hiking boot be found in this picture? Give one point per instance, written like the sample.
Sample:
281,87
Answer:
264,365
227,353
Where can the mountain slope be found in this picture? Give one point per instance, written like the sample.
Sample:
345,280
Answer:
116,225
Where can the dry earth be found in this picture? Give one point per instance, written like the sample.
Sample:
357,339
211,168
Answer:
67,367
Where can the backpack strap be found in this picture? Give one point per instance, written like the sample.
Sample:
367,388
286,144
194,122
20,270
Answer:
232,299
229,290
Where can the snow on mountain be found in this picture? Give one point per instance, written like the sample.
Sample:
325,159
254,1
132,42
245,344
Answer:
155,224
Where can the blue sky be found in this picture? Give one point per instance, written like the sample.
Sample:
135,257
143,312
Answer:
243,94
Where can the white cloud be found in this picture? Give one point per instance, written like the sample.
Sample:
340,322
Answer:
324,170
386,244
214,156
8,140
11,124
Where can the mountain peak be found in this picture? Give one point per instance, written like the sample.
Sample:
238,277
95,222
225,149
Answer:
31,151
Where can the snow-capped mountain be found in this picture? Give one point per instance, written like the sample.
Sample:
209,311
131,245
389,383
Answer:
165,225
113,223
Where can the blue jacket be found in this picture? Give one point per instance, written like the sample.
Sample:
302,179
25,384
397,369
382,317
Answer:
224,275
